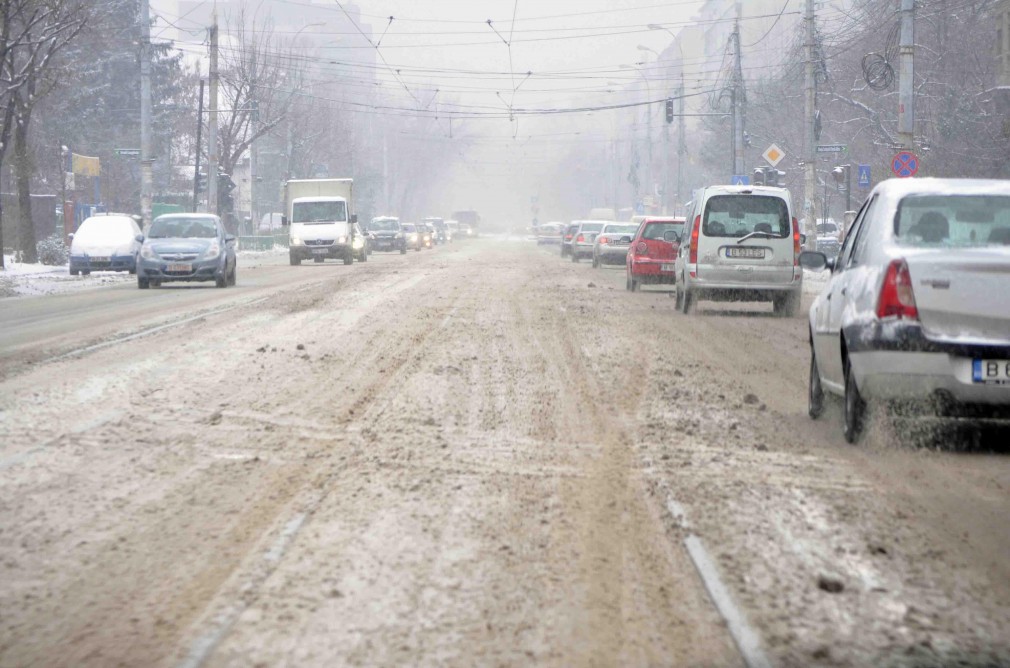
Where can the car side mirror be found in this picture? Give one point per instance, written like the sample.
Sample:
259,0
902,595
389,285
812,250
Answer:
70,236
803,239
139,238
284,221
671,236
816,261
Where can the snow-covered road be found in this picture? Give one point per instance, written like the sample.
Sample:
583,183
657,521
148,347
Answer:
477,455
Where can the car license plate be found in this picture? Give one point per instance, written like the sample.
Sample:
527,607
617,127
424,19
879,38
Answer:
991,372
745,252
95,258
180,268
320,251
666,267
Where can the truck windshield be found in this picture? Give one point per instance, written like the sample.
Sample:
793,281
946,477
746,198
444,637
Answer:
319,212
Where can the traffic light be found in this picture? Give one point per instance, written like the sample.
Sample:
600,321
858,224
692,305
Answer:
774,177
225,200
201,182
759,176
669,110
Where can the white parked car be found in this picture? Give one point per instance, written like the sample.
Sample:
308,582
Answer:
106,242
917,309
743,244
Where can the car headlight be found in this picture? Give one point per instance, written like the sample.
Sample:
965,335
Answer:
213,251
148,253
296,241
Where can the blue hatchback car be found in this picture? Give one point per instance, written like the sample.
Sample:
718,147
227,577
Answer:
187,247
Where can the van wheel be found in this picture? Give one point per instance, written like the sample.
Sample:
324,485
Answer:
689,303
855,407
680,298
349,258
815,393
596,262
295,261
787,306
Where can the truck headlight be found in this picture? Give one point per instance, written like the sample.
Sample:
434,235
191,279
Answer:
341,240
296,241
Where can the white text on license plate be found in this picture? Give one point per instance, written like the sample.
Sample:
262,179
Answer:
751,253
994,372
666,267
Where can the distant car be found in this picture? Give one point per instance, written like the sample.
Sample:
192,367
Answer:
743,245
828,235
427,235
187,247
105,243
653,252
387,234
567,237
453,227
412,234
917,309
585,235
612,243
549,233
361,244
441,232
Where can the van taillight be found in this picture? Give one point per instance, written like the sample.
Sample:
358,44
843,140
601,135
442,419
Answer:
896,297
695,233
796,243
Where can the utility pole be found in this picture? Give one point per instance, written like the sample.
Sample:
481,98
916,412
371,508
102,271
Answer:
254,155
212,122
738,98
810,140
146,159
199,150
681,139
906,90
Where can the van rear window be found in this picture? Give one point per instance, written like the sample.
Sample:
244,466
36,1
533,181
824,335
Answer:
739,215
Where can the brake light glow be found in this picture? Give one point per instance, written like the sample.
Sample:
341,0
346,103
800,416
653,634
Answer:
897,300
695,233
604,240
580,239
796,243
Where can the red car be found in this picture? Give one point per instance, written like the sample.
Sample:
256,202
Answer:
653,252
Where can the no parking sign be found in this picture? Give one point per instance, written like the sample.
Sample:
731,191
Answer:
905,164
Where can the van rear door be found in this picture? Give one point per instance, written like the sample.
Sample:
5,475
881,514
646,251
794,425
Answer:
746,238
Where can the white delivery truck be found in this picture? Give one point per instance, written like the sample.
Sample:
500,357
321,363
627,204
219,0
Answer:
319,215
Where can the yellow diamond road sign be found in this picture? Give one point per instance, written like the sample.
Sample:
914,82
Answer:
773,154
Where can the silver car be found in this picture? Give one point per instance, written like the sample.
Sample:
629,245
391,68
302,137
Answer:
584,236
917,309
186,247
611,245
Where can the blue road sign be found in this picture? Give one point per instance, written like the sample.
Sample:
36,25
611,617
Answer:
905,164
864,179
740,180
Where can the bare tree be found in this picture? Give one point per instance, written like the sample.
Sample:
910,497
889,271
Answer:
32,33
260,80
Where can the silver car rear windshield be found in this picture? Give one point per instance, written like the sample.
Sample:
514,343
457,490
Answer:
592,227
736,216
182,228
953,220
620,229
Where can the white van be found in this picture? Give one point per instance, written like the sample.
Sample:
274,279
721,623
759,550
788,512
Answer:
743,244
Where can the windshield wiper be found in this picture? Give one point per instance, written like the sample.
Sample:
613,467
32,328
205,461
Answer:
766,235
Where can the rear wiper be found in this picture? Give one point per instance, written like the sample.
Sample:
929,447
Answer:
767,235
